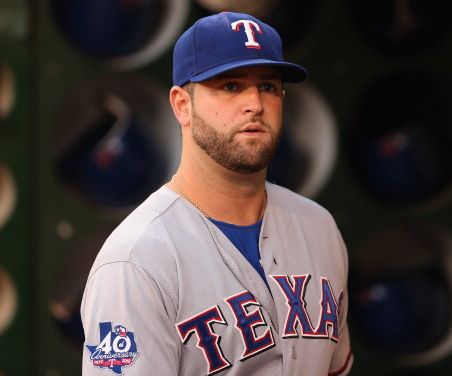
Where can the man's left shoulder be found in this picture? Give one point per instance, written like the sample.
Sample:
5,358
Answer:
291,202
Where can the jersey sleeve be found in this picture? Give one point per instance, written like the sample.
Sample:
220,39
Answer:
127,324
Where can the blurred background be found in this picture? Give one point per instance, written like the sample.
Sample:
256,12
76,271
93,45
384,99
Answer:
86,133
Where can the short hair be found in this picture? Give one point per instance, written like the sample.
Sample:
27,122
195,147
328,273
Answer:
189,88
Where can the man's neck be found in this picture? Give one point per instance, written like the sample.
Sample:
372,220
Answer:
221,194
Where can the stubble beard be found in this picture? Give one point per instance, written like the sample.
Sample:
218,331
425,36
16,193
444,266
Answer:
247,157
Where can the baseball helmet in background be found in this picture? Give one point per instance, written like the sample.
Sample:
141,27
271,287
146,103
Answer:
399,140
123,33
116,142
401,293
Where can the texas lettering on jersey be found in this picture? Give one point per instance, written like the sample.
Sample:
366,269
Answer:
248,316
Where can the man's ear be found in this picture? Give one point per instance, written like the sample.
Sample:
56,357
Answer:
180,101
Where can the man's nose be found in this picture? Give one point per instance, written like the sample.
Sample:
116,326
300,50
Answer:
253,101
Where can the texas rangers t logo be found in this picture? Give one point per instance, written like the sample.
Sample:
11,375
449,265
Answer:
249,27
117,348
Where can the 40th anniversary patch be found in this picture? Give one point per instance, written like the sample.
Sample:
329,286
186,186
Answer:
117,348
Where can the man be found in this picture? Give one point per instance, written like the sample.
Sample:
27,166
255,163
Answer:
220,272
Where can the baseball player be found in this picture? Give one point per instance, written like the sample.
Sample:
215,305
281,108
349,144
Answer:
219,271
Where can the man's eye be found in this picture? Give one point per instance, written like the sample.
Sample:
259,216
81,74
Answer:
267,87
231,86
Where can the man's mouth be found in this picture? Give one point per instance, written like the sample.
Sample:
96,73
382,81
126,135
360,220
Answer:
253,128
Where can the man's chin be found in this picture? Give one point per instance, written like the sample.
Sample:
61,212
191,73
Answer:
246,170
248,166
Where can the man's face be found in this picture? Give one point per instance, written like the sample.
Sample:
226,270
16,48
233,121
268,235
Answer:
237,117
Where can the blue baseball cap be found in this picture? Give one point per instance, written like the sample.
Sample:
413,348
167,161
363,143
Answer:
226,41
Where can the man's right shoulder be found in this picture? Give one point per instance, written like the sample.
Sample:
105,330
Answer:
145,227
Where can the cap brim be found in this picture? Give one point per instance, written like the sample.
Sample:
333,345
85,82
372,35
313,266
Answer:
289,72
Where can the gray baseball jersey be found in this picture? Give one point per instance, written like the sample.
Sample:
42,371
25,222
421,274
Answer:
170,295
